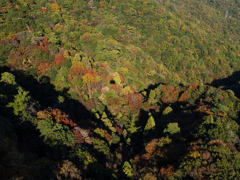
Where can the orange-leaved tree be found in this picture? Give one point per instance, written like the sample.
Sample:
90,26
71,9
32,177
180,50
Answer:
101,4
76,72
43,67
59,59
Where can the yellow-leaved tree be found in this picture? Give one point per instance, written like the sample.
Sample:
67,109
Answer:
55,7
89,79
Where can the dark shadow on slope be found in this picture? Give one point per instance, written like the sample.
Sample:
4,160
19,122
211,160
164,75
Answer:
44,92
231,82
183,116
29,143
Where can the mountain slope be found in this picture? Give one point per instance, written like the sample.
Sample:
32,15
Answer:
119,89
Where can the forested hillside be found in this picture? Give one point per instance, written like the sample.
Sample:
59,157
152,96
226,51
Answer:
119,89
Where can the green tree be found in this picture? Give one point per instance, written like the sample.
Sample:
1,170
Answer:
55,134
172,129
4,51
101,146
8,78
131,124
20,101
152,94
127,169
107,122
150,125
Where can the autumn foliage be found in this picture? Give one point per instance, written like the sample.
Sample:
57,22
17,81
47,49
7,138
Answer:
171,95
184,97
57,115
78,139
43,10
89,77
43,66
44,45
101,4
119,130
128,73
11,37
86,37
76,72
167,171
151,146
59,59
15,59
55,7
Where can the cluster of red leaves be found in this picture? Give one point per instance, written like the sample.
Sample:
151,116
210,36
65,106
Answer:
112,101
86,37
89,105
43,10
204,109
45,41
94,24
61,117
121,77
114,87
76,72
45,45
146,156
193,148
167,171
194,87
139,99
58,116
119,130
136,159
59,59
78,139
206,154
1,41
107,136
143,46
104,69
15,59
122,30
131,103
21,50
147,108
171,95
117,89
43,66
216,77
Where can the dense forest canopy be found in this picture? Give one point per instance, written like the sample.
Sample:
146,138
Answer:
119,89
